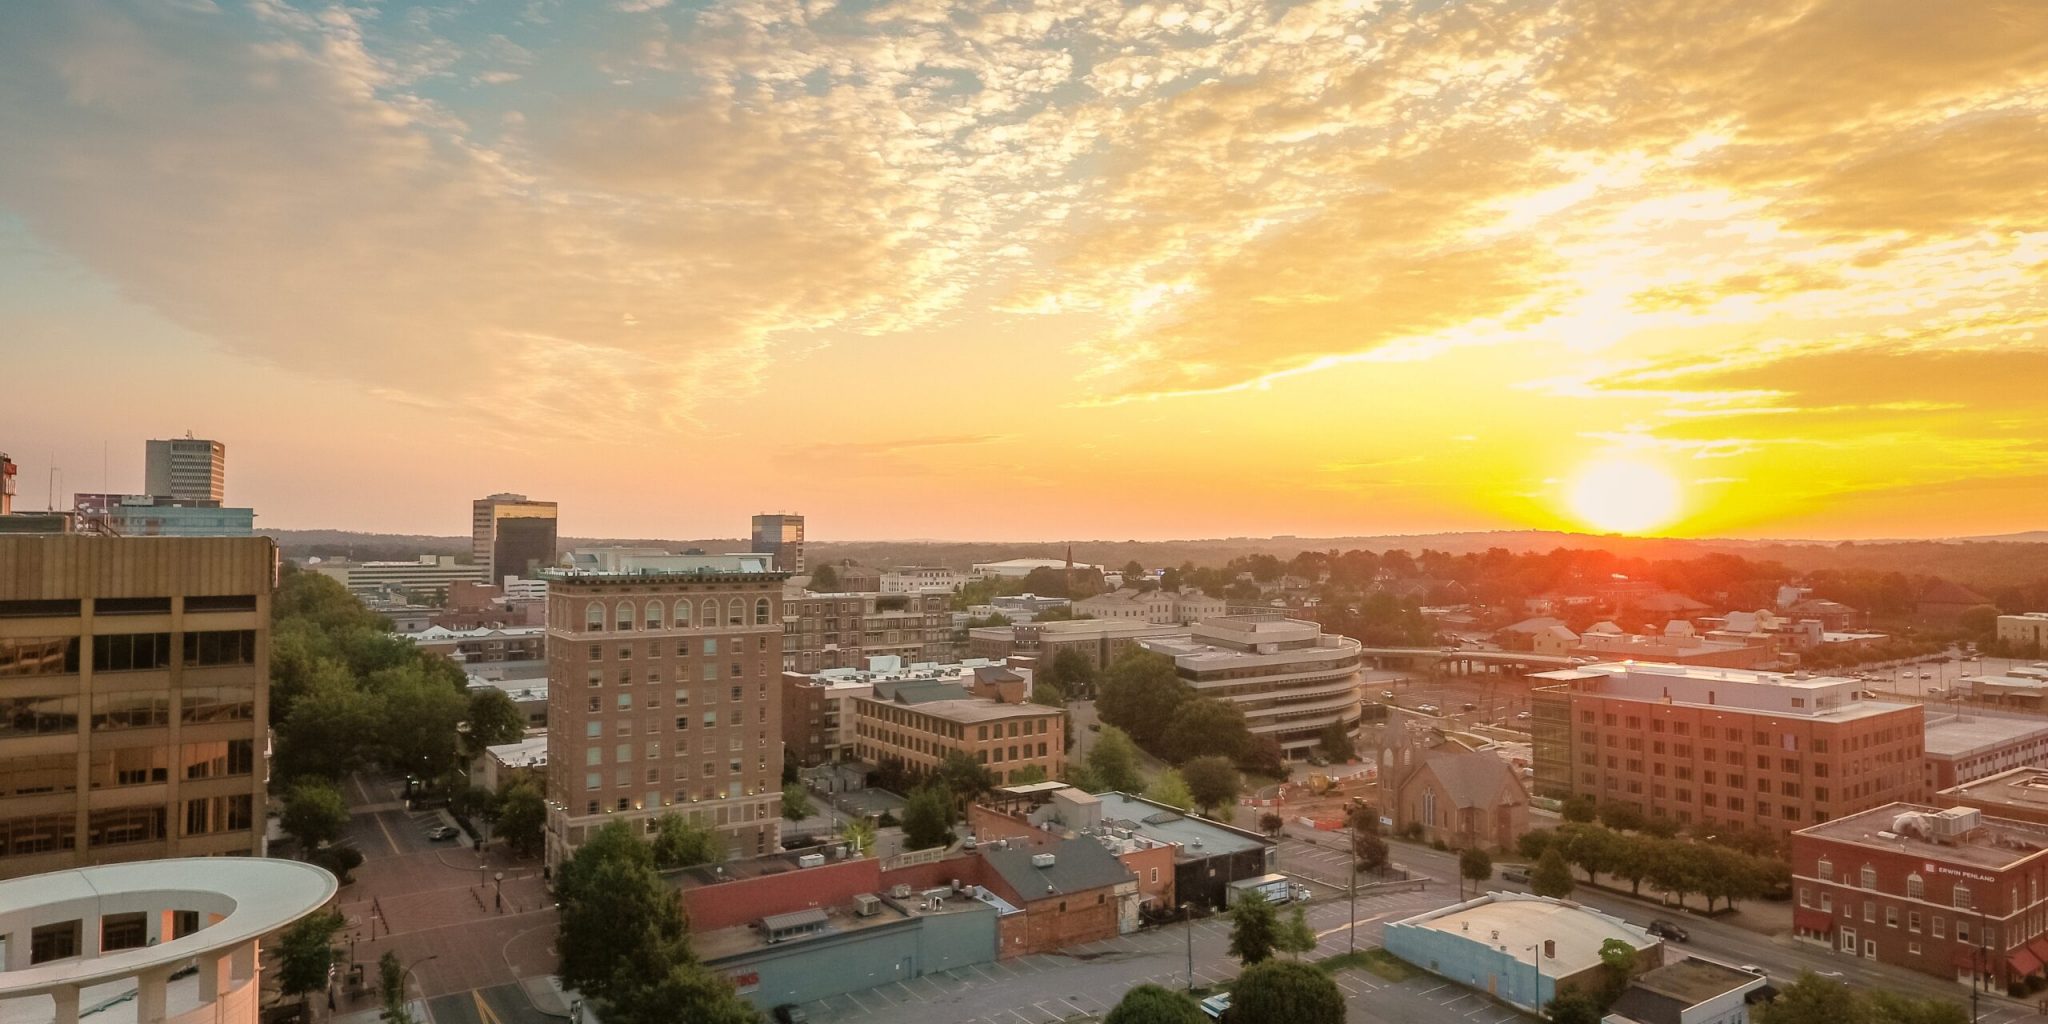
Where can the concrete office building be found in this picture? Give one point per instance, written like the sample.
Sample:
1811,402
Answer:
1289,678
664,697
429,577
114,942
511,535
2020,795
2027,632
1522,950
1717,745
1951,892
134,698
1100,641
144,515
186,468
1966,745
781,536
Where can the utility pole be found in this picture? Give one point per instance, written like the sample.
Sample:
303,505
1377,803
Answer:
1352,853
1187,913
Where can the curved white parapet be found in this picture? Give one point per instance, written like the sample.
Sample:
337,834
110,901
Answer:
203,912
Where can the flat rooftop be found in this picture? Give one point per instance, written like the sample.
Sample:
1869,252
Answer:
974,710
1694,980
1817,698
1197,837
1996,843
1964,733
1516,921
722,943
891,669
2018,787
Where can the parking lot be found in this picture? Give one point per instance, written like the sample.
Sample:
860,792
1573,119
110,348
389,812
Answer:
1088,980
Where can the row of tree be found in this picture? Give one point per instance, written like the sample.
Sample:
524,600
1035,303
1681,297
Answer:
1681,867
1142,694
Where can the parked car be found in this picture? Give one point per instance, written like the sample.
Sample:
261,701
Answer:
1754,969
790,1013
1926,675
1386,695
1666,930
1521,716
1469,706
1427,709
1516,874
442,833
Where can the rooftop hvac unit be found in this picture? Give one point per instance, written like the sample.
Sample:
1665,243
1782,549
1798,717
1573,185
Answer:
1955,821
867,904
901,892
811,860
1042,860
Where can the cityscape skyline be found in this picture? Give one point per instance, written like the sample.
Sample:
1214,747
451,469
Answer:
1322,271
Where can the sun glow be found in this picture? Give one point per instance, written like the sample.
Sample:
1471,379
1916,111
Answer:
1624,496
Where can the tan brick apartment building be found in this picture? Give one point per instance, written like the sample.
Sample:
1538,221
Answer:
1950,892
818,712
664,695
1716,745
134,698
915,724
844,630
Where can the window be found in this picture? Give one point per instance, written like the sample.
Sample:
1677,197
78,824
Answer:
593,621
1891,917
38,656
1869,877
221,647
58,941
654,615
1870,911
131,652
710,618
760,611
622,616
1935,926
1960,898
682,613
1915,888
1826,868
1913,921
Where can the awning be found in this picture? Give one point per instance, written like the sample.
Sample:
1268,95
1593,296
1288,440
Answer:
2023,962
1819,921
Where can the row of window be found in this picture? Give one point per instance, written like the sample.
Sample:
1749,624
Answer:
126,766
1757,737
624,650
655,613
623,777
141,709
126,652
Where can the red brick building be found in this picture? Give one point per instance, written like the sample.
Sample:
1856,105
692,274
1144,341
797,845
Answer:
1718,746
1952,893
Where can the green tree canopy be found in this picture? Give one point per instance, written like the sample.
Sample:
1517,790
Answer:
1369,851
1172,790
522,818
1214,783
1813,999
928,819
963,777
1072,671
1027,775
682,843
422,718
1580,808
1154,1004
825,579
1139,695
1574,1007
493,719
314,814
306,951
796,803
685,992
1254,929
619,921
1295,937
1203,727
1286,991
1335,742
1114,761
331,730
1552,876
1474,866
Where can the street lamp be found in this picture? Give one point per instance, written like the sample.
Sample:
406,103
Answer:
1536,971
405,976
1187,914
500,879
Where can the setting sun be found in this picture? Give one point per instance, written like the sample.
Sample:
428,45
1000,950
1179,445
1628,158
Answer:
1624,496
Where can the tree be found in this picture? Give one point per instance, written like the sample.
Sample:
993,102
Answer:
1154,1004
1532,843
1202,727
1214,784
391,984
1271,823
1114,761
314,814
1621,817
619,921
1980,620
1170,789
331,730
1139,695
522,818
1573,1007
1072,672
1589,848
792,770
1370,851
928,819
1580,809
1677,868
1254,929
1474,866
1028,775
796,804
685,992
1619,956
1552,876
1048,693
306,953
1813,999
421,722
1632,858
859,834
493,719
1335,742
963,777
1288,991
682,843
1888,1007
825,579
1295,936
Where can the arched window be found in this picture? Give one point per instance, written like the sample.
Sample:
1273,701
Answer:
655,610
683,613
622,616
593,617
760,611
1915,888
1869,879
710,617
735,613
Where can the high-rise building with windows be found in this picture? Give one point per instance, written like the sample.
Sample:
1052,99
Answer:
186,468
665,696
781,535
512,535
134,697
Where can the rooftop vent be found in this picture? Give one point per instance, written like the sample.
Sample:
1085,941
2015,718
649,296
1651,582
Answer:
1042,860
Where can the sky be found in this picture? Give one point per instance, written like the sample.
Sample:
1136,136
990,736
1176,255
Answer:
1040,270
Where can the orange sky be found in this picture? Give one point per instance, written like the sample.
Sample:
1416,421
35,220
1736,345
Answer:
1039,270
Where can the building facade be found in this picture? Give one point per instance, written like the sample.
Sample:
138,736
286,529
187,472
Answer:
781,536
1950,892
818,710
915,725
1461,797
2028,631
134,698
1101,641
1713,745
664,697
1964,746
1158,607
186,468
847,630
1289,678
511,535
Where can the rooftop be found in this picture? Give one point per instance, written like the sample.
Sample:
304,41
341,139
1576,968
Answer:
1078,865
1916,830
1198,836
721,943
1516,921
892,668
1963,734
527,753
1820,698
1662,996
2017,787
